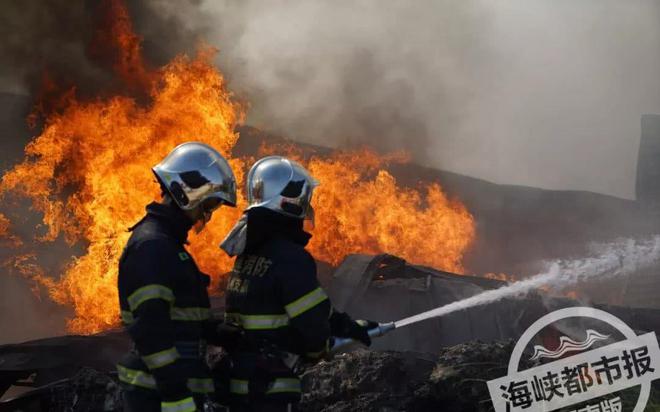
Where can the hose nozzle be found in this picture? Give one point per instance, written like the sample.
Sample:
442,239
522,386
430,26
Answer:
376,332
381,329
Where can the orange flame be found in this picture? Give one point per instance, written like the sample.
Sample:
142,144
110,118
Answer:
88,173
7,238
361,209
115,42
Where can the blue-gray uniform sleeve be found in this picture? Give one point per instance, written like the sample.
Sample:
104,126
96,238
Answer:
306,304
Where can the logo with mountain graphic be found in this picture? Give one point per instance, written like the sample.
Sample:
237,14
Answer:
582,374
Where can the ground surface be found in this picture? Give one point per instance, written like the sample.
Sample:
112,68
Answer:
453,380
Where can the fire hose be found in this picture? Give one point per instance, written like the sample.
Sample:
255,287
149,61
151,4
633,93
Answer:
386,327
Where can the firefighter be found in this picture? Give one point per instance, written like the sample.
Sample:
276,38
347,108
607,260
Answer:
273,294
162,294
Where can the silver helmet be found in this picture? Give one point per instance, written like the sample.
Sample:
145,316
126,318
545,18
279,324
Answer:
195,174
281,185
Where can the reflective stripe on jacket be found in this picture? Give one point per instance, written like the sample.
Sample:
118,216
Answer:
164,304
273,294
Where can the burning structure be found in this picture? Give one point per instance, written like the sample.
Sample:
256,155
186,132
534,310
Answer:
86,143
430,229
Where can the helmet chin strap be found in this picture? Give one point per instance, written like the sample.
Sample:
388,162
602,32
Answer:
310,218
200,219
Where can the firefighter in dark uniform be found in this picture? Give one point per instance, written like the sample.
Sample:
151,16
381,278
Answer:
273,293
162,294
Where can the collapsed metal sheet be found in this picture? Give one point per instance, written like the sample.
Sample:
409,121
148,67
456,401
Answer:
386,288
44,361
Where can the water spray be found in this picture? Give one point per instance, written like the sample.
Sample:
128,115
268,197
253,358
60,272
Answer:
610,260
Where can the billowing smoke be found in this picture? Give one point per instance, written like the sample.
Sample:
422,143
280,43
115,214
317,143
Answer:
58,41
541,93
535,92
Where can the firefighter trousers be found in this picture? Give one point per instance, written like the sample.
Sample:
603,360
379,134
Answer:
136,399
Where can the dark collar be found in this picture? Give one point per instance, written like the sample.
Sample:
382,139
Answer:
264,224
173,219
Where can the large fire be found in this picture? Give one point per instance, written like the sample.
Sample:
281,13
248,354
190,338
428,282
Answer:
88,174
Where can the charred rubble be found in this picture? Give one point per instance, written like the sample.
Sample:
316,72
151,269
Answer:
363,380
440,364
453,380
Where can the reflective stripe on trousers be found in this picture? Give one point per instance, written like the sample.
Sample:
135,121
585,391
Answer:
258,322
184,405
146,380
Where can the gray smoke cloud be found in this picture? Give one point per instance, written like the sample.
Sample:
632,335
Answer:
533,92
544,93
55,37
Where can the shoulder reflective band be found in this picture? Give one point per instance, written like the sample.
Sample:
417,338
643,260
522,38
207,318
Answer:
258,322
189,314
136,378
306,302
149,292
184,405
162,358
201,385
279,385
127,317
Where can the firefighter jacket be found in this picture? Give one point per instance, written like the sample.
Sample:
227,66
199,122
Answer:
165,308
274,296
